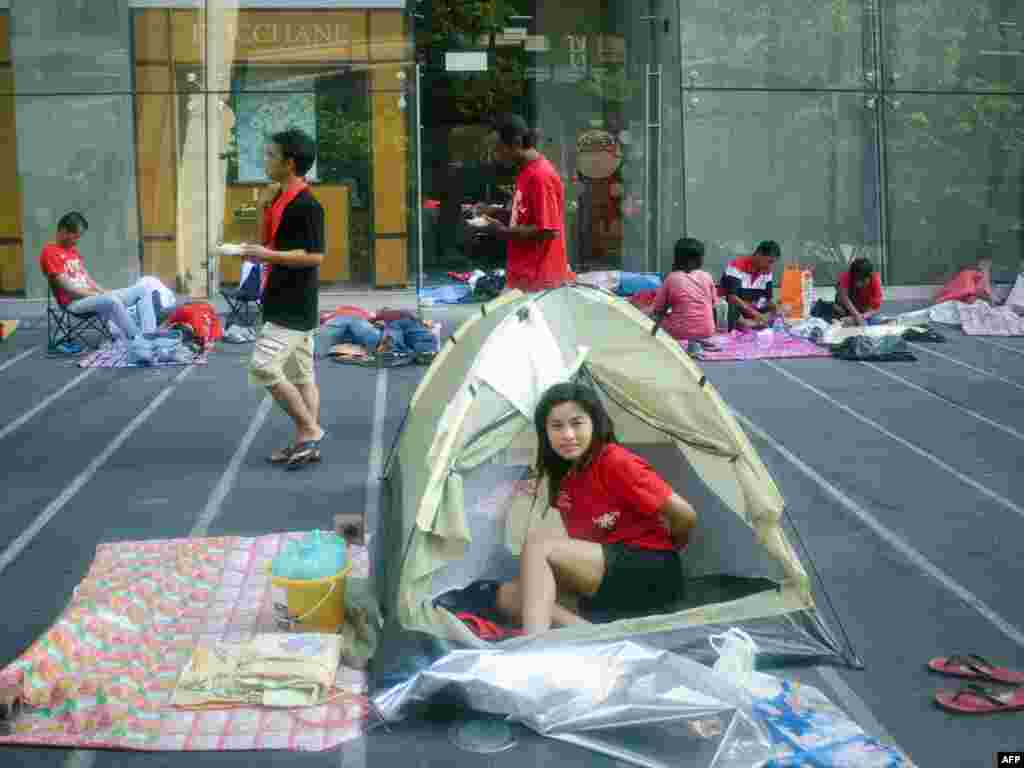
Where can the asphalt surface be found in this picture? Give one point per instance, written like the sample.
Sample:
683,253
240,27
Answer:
906,492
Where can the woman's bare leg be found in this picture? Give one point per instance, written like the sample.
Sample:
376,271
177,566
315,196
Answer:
577,565
510,603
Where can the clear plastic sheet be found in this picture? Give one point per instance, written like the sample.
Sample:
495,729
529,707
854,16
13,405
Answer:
644,706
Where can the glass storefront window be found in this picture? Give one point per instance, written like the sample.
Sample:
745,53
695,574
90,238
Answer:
892,128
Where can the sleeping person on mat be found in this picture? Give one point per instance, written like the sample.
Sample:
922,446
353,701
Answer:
389,331
625,525
970,284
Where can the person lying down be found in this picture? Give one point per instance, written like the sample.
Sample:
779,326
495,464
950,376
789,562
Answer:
625,525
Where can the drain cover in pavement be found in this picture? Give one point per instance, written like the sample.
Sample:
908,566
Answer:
482,736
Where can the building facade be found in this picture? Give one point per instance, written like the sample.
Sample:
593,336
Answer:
887,128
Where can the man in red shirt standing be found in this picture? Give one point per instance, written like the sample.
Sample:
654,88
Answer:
536,230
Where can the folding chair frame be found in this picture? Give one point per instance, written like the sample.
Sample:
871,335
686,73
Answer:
241,298
65,327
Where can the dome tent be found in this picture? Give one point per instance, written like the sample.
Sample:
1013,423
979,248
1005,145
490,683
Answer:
455,509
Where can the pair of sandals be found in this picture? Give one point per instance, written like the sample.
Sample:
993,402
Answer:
976,699
299,455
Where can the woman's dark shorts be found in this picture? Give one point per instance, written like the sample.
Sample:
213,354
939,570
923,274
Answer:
637,582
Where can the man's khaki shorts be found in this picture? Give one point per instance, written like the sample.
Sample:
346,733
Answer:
282,354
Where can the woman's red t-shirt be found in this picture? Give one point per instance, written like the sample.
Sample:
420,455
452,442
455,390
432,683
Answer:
616,499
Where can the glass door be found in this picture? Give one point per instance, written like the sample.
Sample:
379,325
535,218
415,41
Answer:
782,131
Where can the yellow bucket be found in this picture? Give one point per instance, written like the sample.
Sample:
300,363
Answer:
315,605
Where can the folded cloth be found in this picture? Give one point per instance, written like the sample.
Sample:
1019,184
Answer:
239,335
271,670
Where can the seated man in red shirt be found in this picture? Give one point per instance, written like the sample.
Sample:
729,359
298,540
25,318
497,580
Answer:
747,287
858,296
625,524
75,289
536,230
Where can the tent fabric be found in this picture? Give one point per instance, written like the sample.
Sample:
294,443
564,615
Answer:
458,498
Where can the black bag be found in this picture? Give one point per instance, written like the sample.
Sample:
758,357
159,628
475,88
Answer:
923,334
489,287
872,348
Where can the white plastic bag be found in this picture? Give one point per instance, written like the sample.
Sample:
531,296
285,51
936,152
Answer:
736,651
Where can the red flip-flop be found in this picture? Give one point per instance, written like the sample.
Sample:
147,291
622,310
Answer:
487,630
975,667
976,700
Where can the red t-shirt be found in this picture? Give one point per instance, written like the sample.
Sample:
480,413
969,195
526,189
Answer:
535,265
346,310
202,318
865,299
616,498
56,261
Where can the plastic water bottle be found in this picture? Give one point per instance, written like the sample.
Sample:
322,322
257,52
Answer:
779,326
722,316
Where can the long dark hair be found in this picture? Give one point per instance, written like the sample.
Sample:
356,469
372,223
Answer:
549,463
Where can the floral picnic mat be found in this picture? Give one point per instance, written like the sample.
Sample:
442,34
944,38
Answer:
103,676
116,356
739,345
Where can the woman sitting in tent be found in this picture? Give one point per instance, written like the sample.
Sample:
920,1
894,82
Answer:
625,525
688,294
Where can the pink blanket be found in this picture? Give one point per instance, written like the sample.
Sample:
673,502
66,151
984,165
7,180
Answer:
980,319
738,345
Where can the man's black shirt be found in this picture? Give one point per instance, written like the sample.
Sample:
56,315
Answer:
291,298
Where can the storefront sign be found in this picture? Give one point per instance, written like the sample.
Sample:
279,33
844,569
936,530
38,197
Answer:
282,34
598,154
465,61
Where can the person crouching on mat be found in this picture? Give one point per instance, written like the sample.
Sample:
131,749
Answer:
625,525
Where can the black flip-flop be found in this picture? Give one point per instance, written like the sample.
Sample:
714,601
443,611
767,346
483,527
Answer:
283,457
305,453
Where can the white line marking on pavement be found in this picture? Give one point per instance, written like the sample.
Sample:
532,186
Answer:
227,480
891,538
82,758
991,422
984,490
376,463
353,753
1007,347
968,366
15,548
7,364
30,413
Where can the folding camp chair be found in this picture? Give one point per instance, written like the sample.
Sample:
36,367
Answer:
247,294
66,327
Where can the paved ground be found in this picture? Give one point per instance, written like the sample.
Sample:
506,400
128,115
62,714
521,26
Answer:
901,478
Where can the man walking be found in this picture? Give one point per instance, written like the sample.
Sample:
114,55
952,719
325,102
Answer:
293,250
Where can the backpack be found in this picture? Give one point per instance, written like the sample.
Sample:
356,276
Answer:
199,321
